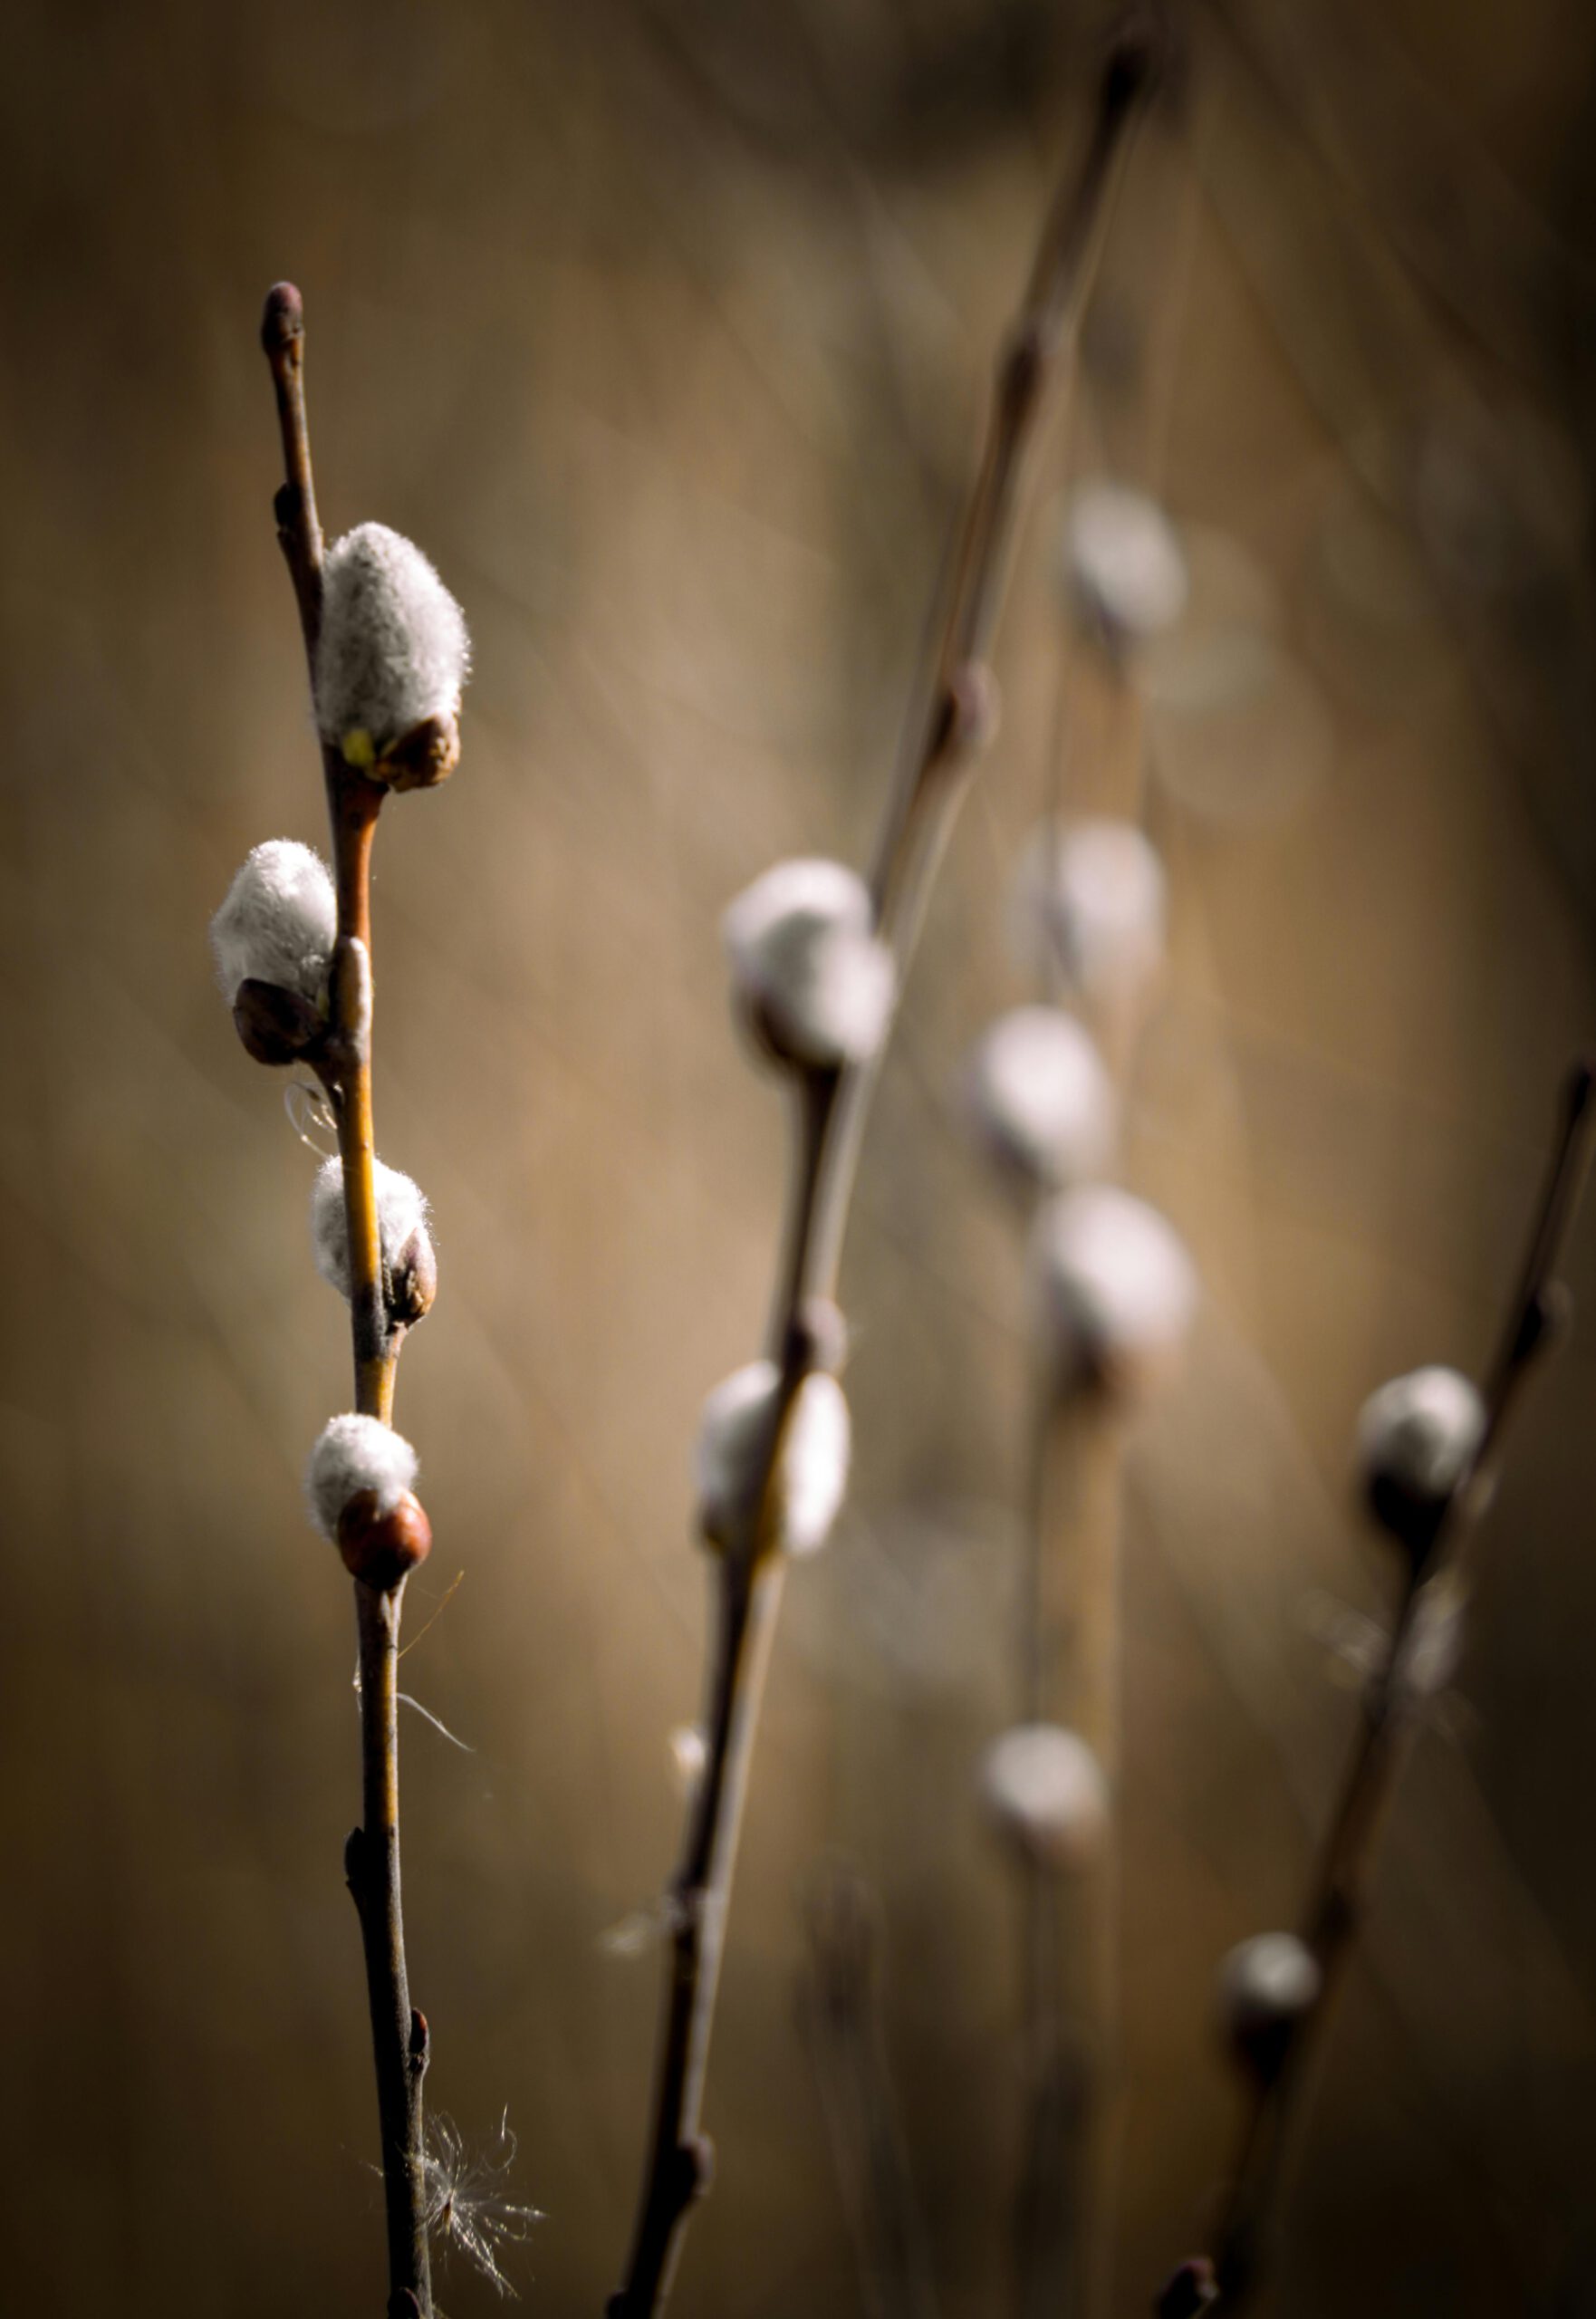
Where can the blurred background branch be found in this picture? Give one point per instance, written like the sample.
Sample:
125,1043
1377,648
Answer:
693,277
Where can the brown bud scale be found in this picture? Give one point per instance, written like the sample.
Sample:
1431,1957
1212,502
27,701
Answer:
381,1549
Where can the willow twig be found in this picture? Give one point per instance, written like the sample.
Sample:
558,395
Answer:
1334,1912
343,1061
951,718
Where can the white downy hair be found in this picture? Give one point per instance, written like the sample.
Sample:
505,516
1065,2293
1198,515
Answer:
803,947
1040,1097
278,923
1420,1432
393,648
1122,563
1115,1289
734,1437
401,1212
1044,1788
1089,902
354,1454
1266,1982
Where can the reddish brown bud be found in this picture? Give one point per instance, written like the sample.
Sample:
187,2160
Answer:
425,756
382,1549
276,1026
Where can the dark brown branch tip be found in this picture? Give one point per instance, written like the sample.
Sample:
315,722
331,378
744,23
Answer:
282,318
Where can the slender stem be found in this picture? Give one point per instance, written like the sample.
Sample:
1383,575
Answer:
371,1855
1335,1902
680,2163
398,2035
954,707
949,720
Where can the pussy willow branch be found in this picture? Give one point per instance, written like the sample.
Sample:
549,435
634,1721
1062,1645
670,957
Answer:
1535,1318
371,1855
949,723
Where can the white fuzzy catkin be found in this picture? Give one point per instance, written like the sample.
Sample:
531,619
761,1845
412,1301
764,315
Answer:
1123,564
1040,1097
803,947
1044,1788
1271,1979
1089,902
393,648
733,1434
279,922
402,1211
1114,1286
1420,1432
354,1454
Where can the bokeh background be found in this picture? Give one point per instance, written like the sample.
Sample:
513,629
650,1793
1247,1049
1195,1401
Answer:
664,329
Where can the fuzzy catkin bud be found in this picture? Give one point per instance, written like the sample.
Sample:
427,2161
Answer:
1089,904
1040,1097
808,1484
278,923
391,658
403,1234
1418,1438
817,984
355,1456
1265,1986
1115,1290
1043,1789
1121,563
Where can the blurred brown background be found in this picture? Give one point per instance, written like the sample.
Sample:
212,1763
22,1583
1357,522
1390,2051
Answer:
664,329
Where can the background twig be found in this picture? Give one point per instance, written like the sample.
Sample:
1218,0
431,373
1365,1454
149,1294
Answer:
951,717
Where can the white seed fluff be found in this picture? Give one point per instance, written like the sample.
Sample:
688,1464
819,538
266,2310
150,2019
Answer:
1089,902
278,923
1044,1788
1123,564
1040,1097
355,1454
803,952
1269,1979
734,1436
1115,1288
401,1210
1420,1432
393,648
